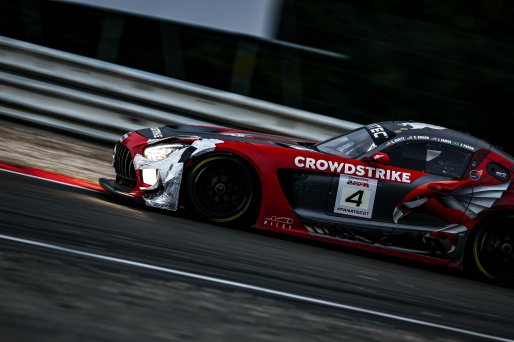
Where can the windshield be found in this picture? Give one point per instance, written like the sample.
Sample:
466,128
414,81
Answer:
350,145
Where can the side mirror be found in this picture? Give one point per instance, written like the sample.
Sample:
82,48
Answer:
378,158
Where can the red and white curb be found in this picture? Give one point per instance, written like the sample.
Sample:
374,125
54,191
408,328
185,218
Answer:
50,176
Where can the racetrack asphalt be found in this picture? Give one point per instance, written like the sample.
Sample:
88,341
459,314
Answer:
49,294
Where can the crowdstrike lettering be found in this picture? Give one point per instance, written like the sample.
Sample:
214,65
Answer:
350,169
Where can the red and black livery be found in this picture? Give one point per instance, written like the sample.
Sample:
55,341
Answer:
408,189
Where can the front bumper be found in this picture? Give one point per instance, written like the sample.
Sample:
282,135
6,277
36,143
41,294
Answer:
112,187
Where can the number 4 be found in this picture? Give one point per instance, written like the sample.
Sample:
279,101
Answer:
358,201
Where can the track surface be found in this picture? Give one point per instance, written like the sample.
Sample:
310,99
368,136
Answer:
52,295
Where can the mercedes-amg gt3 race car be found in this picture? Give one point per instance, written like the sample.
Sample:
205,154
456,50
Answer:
407,189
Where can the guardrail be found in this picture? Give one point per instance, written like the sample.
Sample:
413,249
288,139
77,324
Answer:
71,92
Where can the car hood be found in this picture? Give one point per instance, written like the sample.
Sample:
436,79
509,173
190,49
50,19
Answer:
223,133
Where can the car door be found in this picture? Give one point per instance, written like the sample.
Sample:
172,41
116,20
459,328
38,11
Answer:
424,201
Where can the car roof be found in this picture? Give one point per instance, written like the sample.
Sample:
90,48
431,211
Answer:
420,131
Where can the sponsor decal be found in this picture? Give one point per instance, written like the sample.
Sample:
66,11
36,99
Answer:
418,137
419,125
442,140
355,196
239,135
453,143
498,172
279,222
350,169
459,144
502,175
394,141
475,174
156,132
378,131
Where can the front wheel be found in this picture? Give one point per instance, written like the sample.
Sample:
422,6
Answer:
221,188
493,248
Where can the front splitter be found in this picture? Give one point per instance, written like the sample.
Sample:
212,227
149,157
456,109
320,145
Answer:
112,187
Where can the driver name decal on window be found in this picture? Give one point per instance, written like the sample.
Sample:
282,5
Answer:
350,169
355,196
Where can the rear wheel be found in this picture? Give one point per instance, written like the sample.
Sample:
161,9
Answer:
221,188
493,248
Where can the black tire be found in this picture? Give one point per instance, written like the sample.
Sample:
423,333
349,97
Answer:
492,249
222,189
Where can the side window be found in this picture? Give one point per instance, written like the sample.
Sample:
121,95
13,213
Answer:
438,159
409,156
446,161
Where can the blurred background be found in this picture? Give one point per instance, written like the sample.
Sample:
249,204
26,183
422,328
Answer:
95,69
443,62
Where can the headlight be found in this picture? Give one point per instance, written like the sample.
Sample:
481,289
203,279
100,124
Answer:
159,152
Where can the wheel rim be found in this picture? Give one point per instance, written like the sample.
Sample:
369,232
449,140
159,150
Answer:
222,189
494,251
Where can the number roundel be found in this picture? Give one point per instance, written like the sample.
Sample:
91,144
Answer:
355,196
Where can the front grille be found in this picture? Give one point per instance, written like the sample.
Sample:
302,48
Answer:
123,164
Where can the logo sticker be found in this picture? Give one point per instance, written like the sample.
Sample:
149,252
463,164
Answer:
239,135
475,174
279,222
419,125
355,196
156,132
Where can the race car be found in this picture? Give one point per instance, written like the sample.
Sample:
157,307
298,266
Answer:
408,189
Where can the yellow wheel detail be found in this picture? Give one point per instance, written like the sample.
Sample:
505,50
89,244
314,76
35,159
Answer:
493,248
477,261
221,188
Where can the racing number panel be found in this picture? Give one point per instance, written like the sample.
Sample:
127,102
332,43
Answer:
359,200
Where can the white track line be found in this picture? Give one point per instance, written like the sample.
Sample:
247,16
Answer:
259,289
48,180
